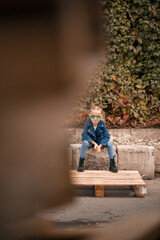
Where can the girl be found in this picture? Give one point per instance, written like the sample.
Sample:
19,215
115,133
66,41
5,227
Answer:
95,134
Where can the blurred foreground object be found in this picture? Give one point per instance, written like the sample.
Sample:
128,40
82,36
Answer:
48,49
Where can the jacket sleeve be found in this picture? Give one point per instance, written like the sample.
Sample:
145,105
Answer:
105,135
85,134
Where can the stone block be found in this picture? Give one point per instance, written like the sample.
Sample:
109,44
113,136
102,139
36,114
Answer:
75,155
93,160
137,157
70,157
78,135
97,161
157,159
70,135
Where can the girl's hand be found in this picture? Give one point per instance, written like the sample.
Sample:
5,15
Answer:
96,146
99,149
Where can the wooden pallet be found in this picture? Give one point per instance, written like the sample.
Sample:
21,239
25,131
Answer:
101,178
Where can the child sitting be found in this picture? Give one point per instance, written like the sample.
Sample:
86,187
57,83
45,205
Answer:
95,134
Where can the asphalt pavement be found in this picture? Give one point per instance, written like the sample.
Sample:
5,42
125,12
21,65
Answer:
118,205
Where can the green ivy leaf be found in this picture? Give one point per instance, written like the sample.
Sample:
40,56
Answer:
139,40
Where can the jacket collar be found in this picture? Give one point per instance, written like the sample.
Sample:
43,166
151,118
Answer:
91,130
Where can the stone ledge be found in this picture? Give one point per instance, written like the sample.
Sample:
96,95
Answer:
137,157
141,136
146,134
128,157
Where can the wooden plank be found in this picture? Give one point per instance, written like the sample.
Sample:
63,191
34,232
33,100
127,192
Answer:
107,182
109,178
106,174
117,177
106,179
101,173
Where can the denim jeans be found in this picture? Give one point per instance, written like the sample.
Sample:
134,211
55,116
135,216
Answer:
86,145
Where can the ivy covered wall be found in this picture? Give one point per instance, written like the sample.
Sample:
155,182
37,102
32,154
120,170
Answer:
130,83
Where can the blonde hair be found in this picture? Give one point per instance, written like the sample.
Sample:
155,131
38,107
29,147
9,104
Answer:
97,108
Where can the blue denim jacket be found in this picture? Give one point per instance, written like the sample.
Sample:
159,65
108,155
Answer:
100,135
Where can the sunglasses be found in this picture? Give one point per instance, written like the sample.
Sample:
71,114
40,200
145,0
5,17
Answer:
98,116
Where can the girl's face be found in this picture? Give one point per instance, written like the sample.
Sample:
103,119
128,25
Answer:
95,116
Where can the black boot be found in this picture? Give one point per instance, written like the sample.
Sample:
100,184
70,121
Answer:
112,166
81,165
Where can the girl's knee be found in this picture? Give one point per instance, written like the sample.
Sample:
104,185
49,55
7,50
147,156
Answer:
109,143
86,143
